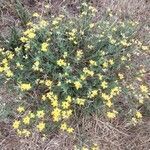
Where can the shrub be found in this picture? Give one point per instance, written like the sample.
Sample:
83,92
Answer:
73,65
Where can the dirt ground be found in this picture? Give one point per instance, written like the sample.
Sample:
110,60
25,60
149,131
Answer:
116,135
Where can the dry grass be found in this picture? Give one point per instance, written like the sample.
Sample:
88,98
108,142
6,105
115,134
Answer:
116,135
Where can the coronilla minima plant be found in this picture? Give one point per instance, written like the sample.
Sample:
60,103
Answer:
64,65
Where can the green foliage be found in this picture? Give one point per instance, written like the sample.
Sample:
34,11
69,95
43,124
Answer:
22,12
12,41
5,111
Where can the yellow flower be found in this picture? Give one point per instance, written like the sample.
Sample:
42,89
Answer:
134,120
100,76
83,77
10,56
23,39
61,62
124,42
16,124
19,132
19,66
86,71
139,79
55,22
26,132
81,32
121,76
9,73
144,89
61,16
43,23
29,24
114,29
66,113
105,96
44,47
79,54
31,115
70,130
93,93
63,126
31,35
20,109
104,84
74,30
40,114
54,102
28,31
48,83
56,114
47,6
144,48
95,147
90,73
68,99
35,15
65,54
84,4
141,101
80,101
105,64
40,81
94,10
50,95
41,126
65,105
5,61
91,25
59,83
111,61
84,148
25,87
26,120
78,85
43,97
109,103
123,58
93,63
138,115
90,46
112,41
112,114
83,13
35,66
115,91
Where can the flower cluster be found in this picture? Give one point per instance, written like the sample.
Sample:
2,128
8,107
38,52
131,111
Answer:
67,64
